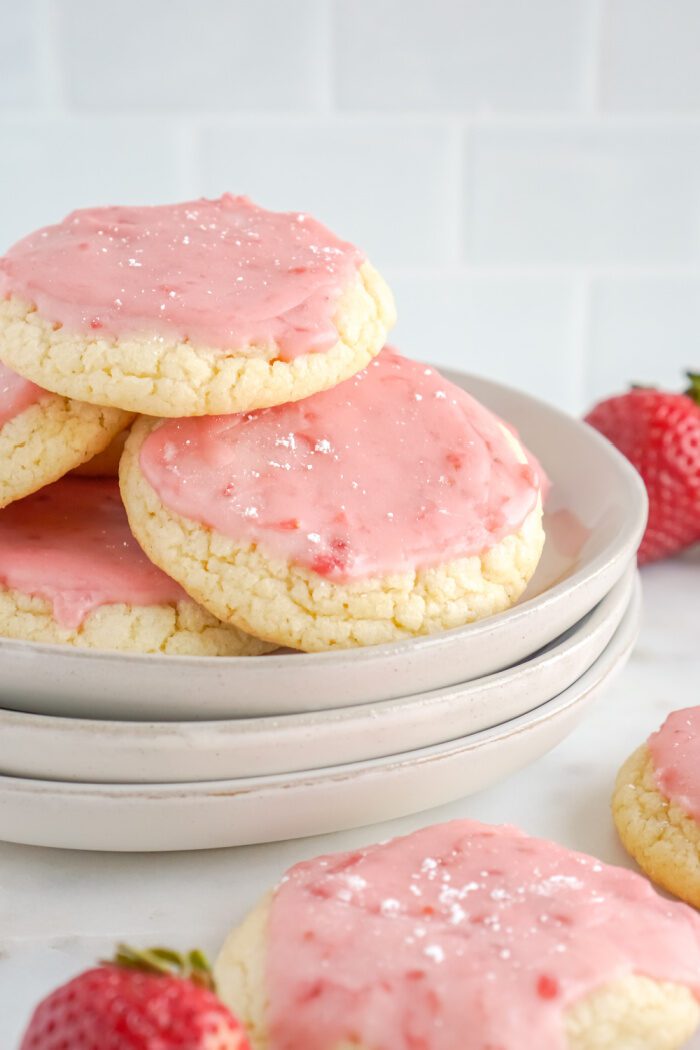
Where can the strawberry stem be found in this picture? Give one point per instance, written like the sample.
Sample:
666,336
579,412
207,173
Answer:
200,972
192,967
693,390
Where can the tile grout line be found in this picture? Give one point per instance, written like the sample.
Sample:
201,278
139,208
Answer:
324,80
569,121
593,58
50,70
457,200
580,337
525,271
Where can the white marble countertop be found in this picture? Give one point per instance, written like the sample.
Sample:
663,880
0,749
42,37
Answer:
59,911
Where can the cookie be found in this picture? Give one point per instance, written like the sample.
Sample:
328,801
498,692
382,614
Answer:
43,436
391,506
72,573
419,940
189,309
656,805
105,464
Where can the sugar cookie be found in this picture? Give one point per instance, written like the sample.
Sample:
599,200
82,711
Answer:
70,572
393,505
464,928
43,435
105,464
656,805
189,309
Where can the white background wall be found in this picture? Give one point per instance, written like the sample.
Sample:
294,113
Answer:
525,172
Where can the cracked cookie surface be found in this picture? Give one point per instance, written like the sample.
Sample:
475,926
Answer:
183,628
106,463
161,377
50,438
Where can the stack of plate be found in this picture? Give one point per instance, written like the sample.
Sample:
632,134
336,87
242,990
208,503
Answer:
112,751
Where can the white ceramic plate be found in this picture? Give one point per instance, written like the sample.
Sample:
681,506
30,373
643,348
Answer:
267,809
48,748
595,518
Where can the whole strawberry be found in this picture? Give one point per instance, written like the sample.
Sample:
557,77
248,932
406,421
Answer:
659,433
149,1000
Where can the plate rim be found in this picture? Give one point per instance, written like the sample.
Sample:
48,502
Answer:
614,653
619,548
145,729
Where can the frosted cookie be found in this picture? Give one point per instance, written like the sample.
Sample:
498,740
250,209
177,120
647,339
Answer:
189,309
43,436
105,464
461,935
71,572
393,505
656,805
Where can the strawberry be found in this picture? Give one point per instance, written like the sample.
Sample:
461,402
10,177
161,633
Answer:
659,433
143,1000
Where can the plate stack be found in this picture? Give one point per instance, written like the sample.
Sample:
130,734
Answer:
114,751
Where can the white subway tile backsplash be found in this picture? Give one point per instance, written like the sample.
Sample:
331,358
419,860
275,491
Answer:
459,54
650,56
642,330
496,158
384,186
519,330
54,166
589,194
185,54
19,72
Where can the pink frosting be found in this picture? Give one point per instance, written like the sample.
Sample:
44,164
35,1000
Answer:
675,755
460,935
221,273
70,544
393,470
16,394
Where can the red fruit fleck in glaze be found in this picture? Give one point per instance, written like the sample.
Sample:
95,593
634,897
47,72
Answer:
326,565
141,1004
659,433
547,987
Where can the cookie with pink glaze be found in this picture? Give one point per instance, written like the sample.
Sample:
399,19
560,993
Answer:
72,573
464,935
656,805
391,506
190,309
44,435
